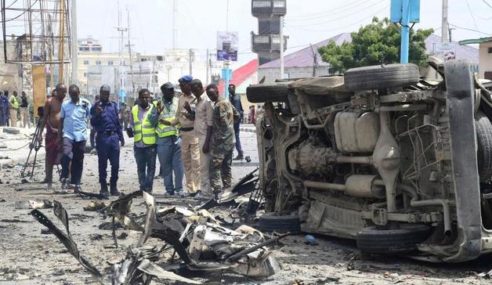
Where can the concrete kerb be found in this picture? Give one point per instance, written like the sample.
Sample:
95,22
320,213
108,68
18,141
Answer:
248,130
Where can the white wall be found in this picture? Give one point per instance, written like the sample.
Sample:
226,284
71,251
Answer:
485,58
271,74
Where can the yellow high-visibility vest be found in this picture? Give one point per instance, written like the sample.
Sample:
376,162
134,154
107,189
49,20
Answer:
143,131
163,130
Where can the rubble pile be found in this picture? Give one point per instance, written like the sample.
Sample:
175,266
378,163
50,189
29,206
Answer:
200,242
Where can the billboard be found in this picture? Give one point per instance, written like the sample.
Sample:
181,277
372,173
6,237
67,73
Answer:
39,87
227,46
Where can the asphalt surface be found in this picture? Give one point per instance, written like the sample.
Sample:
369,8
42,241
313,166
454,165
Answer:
30,257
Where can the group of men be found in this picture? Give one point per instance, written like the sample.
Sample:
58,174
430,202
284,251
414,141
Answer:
193,136
13,107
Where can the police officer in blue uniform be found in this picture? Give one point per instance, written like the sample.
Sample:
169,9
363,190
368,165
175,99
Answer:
109,136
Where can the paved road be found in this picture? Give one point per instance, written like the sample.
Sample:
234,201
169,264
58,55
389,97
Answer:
29,257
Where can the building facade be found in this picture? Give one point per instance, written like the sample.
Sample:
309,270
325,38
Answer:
485,55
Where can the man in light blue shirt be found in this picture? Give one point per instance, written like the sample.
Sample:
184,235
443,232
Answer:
73,132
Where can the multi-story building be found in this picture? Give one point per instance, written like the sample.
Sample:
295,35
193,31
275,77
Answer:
485,56
91,58
96,67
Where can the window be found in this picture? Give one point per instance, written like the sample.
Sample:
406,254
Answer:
86,62
85,74
110,62
490,49
96,49
262,4
279,4
98,62
261,39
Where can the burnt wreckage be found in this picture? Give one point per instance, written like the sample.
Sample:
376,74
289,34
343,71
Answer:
198,239
400,164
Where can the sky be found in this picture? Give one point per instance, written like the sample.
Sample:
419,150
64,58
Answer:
306,22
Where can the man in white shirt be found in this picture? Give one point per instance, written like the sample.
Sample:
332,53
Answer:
203,125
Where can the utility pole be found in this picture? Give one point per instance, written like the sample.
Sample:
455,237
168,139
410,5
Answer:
315,61
130,53
282,47
122,31
175,30
207,64
61,47
190,61
75,49
445,23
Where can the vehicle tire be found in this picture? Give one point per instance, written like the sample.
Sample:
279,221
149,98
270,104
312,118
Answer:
381,77
270,222
484,146
404,239
267,93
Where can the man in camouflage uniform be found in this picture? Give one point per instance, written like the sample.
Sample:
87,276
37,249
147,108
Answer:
220,142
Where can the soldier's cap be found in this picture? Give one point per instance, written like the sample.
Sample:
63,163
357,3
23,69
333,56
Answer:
105,88
186,79
168,86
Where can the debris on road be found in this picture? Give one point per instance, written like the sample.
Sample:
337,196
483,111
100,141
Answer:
13,131
198,239
32,204
95,206
310,240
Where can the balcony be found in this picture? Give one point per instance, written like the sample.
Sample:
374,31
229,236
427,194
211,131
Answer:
267,8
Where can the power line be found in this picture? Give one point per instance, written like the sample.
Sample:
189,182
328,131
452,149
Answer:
487,3
332,20
468,29
326,13
349,25
471,14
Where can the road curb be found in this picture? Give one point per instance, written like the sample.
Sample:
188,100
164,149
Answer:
247,130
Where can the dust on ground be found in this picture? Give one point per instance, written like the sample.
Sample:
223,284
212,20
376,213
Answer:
31,257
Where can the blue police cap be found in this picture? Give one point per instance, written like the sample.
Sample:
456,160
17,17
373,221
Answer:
186,79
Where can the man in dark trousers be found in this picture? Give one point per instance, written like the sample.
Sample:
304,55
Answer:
168,141
104,120
220,141
143,123
92,135
73,132
236,103
4,109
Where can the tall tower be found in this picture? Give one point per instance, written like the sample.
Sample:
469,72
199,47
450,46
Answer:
267,43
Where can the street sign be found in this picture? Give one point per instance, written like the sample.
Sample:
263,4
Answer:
398,9
227,46
405,12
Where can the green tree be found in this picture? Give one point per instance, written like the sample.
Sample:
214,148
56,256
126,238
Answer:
376,43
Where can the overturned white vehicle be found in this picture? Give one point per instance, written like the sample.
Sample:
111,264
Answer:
400,164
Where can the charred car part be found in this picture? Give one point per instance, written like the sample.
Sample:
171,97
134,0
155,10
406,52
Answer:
378,155
200,242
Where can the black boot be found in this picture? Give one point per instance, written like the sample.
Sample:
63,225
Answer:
104,191
239,156
114,190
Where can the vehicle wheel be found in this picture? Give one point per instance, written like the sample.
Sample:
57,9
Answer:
381,76
404,239
267,93
484,143
270,222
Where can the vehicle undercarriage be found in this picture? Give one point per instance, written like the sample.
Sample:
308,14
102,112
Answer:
400,164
